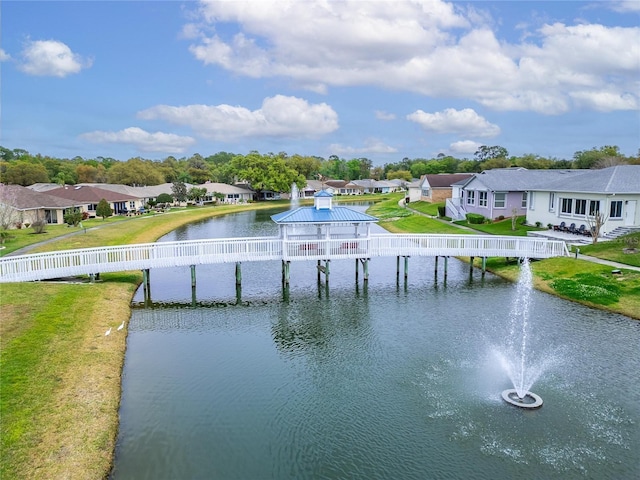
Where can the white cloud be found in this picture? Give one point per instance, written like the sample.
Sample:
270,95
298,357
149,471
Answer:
142,140
280,116
430,47
380,115
466,122
605,101
371,145
51,58
623,5
4,56
465,146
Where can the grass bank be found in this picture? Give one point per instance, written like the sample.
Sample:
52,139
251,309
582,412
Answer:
60,375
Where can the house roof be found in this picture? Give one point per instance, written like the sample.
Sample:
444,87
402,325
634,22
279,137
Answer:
311,215
445,180
22,198
516,180
224,188
618,179
90,194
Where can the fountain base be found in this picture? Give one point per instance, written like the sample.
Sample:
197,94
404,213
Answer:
530,399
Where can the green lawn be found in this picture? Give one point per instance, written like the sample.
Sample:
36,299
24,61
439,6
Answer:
426,207
618,250
502,227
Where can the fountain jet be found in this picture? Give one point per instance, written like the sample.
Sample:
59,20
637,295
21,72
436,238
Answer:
515,362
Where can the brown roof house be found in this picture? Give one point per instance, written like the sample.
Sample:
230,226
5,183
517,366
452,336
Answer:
438,187
20,206
88,197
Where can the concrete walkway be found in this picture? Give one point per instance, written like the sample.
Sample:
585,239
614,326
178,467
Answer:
607,262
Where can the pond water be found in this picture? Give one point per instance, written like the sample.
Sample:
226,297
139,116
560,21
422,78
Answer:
392,380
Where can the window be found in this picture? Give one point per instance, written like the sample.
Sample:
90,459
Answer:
594,207
132,205
425,192
581,207
499,199
471,197
482,199
616,209
566,205
524,200
552,202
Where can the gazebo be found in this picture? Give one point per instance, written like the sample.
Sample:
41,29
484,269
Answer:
323,221
324,231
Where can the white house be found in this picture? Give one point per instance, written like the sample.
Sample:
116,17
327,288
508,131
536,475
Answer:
576,198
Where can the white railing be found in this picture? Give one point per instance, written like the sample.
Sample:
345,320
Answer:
455,207
41,266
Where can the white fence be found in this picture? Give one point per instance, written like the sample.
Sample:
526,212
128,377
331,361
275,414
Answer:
42,266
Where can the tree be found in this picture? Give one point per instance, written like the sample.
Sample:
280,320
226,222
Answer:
73,217
590,158
179,190
103,209
596,220
135,171
196,194
401,174
487,153
25,173
266,173
8,213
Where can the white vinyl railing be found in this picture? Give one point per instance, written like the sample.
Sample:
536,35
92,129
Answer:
86,261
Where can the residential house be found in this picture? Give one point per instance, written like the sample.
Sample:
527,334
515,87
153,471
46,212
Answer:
230,193
89,197
613,193
21,206
370,185
501,192
436,188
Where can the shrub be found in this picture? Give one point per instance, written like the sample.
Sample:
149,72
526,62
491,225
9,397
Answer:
538,224
442,211
164,198
501,217
73,217
39,226
475,218
103,209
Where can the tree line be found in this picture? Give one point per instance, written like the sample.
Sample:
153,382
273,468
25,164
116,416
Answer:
272,171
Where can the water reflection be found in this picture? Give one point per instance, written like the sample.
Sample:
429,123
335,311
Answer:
392,380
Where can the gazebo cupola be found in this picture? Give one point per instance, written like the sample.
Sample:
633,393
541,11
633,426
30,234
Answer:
322,200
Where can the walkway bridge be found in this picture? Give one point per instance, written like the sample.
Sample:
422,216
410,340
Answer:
90,261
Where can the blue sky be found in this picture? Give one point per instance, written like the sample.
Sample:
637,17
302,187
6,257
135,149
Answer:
382,80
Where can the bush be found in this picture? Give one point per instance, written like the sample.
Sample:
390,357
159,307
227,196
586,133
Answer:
103,209
538,224
39,226
475,218
164,198
73,217
442,211
501,217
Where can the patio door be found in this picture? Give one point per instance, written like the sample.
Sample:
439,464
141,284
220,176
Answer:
630,213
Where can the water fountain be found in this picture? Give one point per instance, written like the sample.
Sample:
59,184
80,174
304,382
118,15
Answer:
295,195
522,374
